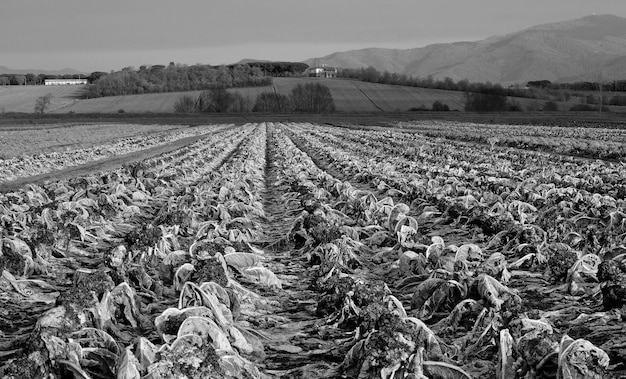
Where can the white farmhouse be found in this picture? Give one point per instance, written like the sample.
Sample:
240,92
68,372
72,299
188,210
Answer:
322,72
64,82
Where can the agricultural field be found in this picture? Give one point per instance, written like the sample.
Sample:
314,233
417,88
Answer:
23,98
28,140
350,96
602,142
34,151
301,250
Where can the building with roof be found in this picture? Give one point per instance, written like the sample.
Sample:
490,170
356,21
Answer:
322,72
64,82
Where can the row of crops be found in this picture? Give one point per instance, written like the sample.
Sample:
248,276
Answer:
590,142
551,229
21,166
298,250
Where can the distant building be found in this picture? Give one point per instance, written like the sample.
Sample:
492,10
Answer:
322,72
64,82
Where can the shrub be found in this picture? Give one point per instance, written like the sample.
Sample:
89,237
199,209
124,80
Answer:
582,108
484,102
312,98
550,106
240,104
618,100
271,102
513,106
215,100
532,106
186,104
438,106
42,102
591,99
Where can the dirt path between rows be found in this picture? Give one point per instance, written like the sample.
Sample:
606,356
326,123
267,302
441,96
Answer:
103,164
325,164
295,348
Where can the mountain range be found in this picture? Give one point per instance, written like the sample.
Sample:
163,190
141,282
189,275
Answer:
591,48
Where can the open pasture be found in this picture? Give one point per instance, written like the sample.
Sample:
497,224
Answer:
300,250
23,98
349,96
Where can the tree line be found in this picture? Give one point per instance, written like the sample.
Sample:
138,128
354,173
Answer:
32,79
583,86
370,74
277,69
175,78
303,98
540,89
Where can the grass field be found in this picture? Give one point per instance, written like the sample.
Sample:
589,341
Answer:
152,102
357,96
22,98
351,96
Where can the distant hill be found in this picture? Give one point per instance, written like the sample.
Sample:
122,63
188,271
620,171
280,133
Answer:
588,48
64,71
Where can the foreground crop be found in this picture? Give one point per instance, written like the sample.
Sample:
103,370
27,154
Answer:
296,250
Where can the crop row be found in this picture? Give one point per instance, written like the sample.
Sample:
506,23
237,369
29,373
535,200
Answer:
22,166
28,139
585,231
428,155
590,142
348,233
420,263
133,237
493,186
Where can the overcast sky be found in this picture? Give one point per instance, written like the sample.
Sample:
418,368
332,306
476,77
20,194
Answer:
104,35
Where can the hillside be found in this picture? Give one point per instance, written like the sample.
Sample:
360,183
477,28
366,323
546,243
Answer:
588,48
349,96
22,98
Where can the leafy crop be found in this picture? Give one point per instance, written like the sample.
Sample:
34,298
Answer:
302,250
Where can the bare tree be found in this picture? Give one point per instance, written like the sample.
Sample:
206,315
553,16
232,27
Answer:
186,104
42,103
272,102
312,98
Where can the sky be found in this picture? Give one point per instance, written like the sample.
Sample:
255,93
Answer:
105,35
